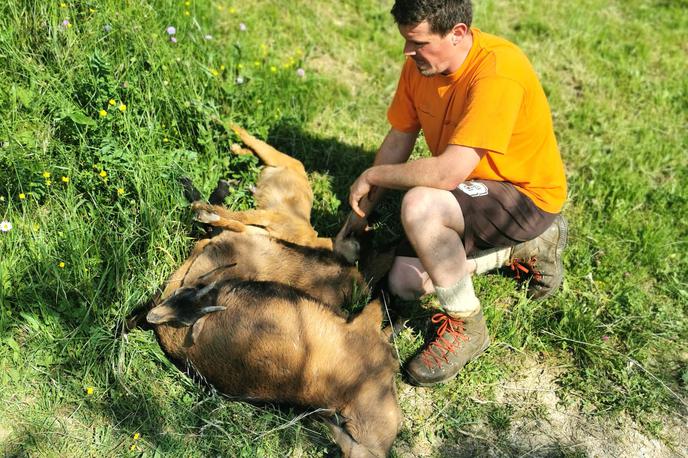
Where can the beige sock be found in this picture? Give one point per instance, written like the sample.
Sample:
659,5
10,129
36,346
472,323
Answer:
459,300
487,260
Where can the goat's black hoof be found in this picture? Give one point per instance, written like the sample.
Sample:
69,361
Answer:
190,192
221,191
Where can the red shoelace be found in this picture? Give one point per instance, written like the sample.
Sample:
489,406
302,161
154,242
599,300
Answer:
525,267
437,351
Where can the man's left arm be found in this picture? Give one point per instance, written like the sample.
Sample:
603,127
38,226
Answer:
445,171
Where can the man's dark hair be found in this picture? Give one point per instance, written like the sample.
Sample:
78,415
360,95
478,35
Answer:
442,15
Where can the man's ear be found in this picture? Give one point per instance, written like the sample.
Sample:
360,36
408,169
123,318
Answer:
458,32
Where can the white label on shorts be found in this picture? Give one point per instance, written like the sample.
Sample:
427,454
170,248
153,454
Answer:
473,188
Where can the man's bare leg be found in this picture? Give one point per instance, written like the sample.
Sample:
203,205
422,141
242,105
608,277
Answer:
434,223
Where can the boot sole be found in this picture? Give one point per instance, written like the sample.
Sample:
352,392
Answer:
446,379
561,245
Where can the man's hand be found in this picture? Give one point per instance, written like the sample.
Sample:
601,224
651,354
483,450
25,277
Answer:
358,191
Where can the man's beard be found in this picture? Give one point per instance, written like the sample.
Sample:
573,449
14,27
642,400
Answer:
425,69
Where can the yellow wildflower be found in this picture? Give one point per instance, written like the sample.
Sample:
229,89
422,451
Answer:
22,196
214,72
222,67
35,227
136,436
273,69
165,140
187,13
102,113
120,191
91,10
89,390
122,107
65,179
112,102
63,5
232,10
48,182
46,174
61,266
187,3
103,173
256,63
240,66
133,447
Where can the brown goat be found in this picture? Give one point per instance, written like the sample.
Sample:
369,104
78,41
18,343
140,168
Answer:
255,311
265,341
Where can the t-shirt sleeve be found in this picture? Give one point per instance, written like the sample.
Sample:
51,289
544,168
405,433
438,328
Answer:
491,111
402,112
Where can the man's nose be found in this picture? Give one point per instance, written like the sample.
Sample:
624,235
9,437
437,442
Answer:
409,49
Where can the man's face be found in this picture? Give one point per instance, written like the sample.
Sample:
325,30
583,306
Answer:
431,52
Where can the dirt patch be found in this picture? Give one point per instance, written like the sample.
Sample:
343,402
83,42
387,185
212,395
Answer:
539,425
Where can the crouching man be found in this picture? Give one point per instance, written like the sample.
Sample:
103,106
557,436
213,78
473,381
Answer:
490,194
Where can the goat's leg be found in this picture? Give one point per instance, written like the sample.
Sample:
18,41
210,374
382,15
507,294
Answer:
236,221
219,193
269,155
190,192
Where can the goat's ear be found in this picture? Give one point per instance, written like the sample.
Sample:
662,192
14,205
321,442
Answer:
346,443
370,317
184,307
197,329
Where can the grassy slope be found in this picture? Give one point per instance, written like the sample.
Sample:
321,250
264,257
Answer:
612,71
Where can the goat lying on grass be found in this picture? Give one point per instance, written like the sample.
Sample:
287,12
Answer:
256,311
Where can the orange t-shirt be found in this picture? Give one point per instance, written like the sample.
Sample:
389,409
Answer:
493,102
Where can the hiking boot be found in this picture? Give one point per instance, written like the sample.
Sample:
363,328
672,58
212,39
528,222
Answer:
540,260
458,341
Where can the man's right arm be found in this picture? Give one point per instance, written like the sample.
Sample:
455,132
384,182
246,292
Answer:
396,148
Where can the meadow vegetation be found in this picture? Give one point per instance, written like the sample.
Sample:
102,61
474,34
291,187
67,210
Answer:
106,104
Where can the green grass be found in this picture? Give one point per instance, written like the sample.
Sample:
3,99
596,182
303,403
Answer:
614,72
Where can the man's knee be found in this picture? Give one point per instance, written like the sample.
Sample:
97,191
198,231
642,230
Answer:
422,206
418,204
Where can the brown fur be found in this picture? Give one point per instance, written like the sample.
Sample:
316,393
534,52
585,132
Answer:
318,273
255,311
272,343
